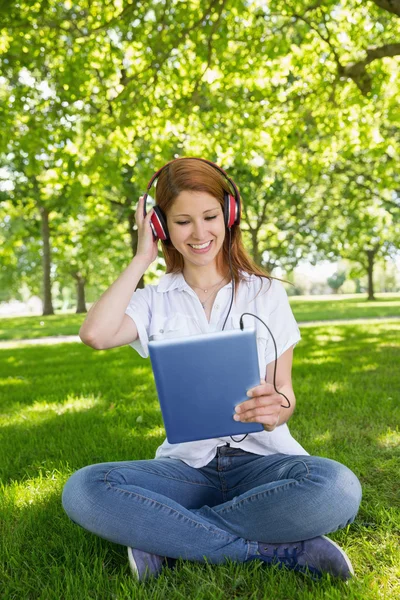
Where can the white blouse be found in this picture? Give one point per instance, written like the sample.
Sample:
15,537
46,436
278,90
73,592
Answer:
171,309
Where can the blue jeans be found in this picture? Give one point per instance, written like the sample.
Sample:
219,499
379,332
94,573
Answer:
218,511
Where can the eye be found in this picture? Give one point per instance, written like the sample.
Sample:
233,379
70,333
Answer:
185,222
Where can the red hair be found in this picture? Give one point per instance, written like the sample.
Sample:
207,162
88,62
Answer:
189,174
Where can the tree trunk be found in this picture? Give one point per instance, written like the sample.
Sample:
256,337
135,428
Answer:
370,271
255,249
80,294
133,233
46,262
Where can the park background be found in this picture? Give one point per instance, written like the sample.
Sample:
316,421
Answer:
299,102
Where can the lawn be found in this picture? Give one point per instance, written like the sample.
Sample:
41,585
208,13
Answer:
66,406
305,308
351,306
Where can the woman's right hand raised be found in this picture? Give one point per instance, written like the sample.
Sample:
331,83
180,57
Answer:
147,248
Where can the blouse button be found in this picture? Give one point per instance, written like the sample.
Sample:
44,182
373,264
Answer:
161,330
217,307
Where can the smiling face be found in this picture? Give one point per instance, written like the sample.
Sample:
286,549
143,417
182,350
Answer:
196,219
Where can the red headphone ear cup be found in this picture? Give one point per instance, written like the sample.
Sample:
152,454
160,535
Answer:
159,223
230,210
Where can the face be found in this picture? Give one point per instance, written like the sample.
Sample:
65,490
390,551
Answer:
196,219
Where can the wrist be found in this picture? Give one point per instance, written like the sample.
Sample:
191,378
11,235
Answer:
141,261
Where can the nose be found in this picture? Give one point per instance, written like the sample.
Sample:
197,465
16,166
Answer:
199,230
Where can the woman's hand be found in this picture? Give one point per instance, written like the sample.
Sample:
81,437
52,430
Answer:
147,245
263,407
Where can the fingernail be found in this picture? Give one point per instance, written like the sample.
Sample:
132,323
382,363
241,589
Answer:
236,417
248,394
237,409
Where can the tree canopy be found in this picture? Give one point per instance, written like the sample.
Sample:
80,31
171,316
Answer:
297,100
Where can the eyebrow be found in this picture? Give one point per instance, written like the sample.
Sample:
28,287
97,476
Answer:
186,215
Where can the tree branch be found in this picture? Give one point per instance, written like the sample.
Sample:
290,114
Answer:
194,92
392,6
326,38
356,71
161,60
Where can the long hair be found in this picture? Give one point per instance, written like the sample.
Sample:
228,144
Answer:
189,174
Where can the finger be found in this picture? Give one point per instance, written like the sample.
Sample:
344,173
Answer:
250,405
256,402
139,207
264,389
257,412
269,418
249,414
141,218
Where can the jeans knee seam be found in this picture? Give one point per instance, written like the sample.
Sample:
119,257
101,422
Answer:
164,476
259,494
304,476
156,502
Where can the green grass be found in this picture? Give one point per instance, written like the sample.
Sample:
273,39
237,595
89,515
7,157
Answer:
305,308
321,308
17,328
66,406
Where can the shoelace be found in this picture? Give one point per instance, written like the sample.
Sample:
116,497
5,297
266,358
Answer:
289,558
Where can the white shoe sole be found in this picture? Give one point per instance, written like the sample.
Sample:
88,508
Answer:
132,563
342,552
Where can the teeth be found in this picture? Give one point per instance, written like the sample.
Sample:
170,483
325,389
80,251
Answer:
200,247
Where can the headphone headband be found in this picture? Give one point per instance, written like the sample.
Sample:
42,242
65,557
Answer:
237,195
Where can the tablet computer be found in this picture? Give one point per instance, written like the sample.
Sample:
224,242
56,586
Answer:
200,379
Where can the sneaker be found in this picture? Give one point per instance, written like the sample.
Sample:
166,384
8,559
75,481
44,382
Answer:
144,565
317,556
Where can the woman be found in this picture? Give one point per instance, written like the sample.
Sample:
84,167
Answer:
262,497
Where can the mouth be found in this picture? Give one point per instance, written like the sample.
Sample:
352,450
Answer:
200,248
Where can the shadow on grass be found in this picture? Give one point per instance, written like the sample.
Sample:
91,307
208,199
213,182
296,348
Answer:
52,373
336,307
68,406
18,328
74,439
72,405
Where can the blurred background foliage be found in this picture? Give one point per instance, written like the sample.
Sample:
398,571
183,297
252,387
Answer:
297,100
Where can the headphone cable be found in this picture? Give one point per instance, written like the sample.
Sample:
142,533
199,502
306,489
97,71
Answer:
241,327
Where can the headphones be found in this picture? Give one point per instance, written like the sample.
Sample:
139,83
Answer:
232,204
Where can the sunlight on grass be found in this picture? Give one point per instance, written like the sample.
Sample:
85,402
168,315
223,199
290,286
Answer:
365,368
142,371
320,358
356,297
334,386
15,381
41,411
155,432
82,409
329,337
390,439
12,360
33,491
323,437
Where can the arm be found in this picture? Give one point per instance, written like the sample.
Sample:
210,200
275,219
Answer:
265,404
106,324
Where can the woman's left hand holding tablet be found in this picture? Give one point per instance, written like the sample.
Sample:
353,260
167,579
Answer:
264,406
